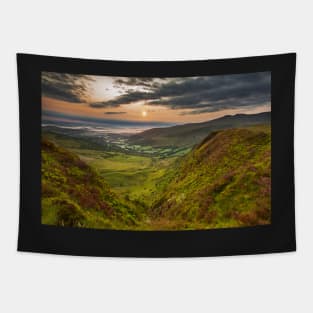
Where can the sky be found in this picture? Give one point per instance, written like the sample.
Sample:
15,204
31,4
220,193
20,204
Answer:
144,99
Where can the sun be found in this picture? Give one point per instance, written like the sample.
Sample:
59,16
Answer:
144,113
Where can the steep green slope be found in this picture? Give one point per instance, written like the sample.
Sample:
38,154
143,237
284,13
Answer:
73,194
223,182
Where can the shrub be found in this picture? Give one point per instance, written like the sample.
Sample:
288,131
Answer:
47,190
69,213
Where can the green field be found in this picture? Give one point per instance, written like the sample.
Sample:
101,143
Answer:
133,176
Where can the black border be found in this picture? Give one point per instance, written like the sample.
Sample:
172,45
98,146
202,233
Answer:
277,237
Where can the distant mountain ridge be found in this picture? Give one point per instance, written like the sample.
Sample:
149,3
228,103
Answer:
192,133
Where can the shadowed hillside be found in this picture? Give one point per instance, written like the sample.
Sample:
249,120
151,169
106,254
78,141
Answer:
73,194
223,182
188,134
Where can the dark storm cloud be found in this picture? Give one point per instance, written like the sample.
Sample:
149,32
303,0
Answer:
199,94
113,113
135,81
65,87
132,96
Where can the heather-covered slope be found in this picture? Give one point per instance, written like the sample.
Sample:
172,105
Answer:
73,194
225,181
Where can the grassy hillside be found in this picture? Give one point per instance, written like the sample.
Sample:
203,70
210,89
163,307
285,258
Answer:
73,194
224,182
189,134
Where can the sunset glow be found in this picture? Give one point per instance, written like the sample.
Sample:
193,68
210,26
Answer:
175,100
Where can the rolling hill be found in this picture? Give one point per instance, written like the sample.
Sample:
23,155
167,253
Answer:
225,181
74,195
189,134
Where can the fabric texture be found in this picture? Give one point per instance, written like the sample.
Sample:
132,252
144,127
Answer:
156,159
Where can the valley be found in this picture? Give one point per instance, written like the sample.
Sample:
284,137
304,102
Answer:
193,176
